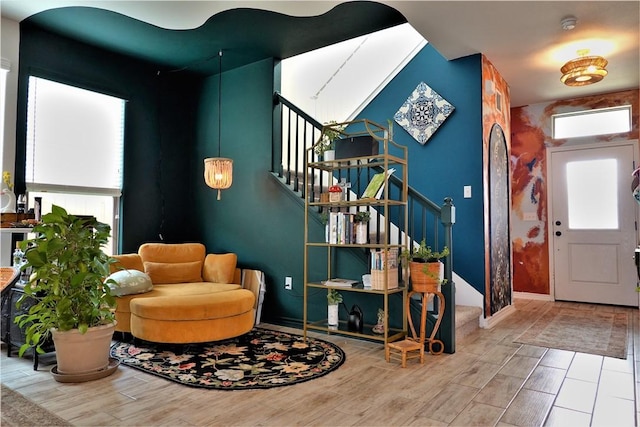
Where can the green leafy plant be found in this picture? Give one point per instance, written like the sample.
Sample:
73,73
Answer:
330,132
423,253
334,297
67,281
362,216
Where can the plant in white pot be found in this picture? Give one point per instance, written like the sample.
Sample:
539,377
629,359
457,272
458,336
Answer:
426,271
325,147
361,219
72,300
334,298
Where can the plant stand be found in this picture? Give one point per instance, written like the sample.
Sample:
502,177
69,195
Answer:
415,343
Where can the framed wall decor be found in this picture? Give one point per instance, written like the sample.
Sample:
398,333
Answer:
423,113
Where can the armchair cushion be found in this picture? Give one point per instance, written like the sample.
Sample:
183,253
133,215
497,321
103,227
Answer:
220,268
174,272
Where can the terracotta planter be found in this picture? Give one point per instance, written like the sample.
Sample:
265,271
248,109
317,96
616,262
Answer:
428,281
79,354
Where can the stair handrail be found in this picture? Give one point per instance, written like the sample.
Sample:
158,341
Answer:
420,207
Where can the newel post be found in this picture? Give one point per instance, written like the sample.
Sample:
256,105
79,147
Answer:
448,327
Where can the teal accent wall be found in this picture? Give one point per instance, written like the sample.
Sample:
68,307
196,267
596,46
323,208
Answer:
172,125
452,157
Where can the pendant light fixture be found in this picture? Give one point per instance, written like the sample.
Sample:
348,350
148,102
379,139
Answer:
218,171
584,70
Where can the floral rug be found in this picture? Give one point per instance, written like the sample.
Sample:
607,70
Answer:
259,359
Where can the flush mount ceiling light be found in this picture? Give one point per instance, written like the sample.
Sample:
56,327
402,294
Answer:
584,70
218,171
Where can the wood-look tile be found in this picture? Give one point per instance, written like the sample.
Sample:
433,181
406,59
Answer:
529,408
577,395
499,354
531,351
562,417
546,379
477,375
447,404
478,414
558,358
519,366
368,391
500,391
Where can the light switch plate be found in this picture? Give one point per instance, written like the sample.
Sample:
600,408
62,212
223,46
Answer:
467,191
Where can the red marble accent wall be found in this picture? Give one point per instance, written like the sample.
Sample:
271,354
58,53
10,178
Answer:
530,135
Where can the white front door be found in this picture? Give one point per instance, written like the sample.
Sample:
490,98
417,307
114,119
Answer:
593,232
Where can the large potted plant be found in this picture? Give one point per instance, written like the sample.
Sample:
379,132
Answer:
426,271
72,301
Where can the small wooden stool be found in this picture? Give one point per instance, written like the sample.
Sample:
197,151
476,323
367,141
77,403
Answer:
404,347
416,343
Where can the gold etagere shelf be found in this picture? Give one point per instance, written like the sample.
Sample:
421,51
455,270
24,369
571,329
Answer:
382,160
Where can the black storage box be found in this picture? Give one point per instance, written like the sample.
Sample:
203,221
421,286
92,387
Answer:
356,146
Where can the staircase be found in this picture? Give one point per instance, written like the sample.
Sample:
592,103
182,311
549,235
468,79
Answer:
467,320
294,132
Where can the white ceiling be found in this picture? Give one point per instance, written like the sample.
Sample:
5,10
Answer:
523,39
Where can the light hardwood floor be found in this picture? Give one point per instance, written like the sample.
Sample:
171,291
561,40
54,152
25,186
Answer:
489,381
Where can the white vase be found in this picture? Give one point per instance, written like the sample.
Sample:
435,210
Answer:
8,200
329,155
361,233
332,313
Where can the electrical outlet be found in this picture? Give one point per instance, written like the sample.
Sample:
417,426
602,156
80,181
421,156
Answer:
288,283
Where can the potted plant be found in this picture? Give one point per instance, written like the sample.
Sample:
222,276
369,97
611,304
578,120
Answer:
325,147
72,300
425,268
334,298
361,218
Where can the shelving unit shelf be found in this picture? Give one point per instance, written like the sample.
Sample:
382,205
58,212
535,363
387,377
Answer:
386,239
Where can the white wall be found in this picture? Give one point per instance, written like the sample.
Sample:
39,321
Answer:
9,51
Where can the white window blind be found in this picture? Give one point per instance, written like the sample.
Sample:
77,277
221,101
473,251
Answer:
74,139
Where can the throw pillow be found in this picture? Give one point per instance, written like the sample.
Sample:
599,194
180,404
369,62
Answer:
174,272
219,268
129,282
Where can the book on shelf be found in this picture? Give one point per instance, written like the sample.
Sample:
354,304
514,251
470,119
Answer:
345,283
382,260
376,185
341,228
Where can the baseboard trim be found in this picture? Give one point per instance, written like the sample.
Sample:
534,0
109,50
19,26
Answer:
490,322
532,296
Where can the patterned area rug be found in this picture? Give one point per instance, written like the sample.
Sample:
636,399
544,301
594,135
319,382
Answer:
259,359
584,331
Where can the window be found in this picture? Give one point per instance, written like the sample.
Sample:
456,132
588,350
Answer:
74,151
592,122
592,190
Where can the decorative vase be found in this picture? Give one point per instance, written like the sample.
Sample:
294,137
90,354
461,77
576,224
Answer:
329,155
378,328
332,313
79,354
428,281
8,204
361,233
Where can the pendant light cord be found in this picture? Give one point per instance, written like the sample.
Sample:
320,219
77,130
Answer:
219,99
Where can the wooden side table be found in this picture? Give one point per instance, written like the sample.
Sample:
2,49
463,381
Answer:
405,348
